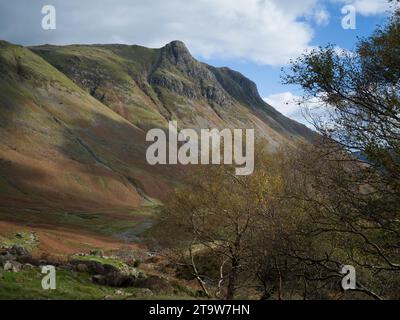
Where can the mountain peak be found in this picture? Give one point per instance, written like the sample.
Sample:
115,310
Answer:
177,45
177,52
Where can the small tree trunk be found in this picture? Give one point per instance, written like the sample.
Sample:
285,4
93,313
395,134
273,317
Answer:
230,294
221,279
280,281
196,273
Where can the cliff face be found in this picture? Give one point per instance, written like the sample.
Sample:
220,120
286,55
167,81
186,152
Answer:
73,120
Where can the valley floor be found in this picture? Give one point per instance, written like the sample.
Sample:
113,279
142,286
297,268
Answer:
72,240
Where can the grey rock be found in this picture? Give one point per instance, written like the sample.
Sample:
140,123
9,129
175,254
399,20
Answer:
116,280
128,271
13,266
28,266
19,251
122,293
6,257
82,268
97,253
143,292
108,268
94,267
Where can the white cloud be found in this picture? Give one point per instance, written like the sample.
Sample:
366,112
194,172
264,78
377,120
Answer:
284,102
261,31
264,31
288,104
293,106
322,17
268,32
368,7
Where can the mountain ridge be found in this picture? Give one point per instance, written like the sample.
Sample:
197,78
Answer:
174,68
73,120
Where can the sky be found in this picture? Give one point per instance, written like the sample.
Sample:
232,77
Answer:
255,37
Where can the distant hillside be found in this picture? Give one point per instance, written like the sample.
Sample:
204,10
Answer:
73,120
148,87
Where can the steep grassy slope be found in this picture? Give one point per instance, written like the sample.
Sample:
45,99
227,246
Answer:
112,75
148,87
62,148
73,121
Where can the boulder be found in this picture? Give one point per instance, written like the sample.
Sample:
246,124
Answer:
82,268
28,266
108,268
98,279
93,267
154,283
122,293
97,253
13,266
5,258
143,292
116,280
27,259
129,271
19,251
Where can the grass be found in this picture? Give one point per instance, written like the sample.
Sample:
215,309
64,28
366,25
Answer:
32,66
111,261
71,285
26,240
102,223
147,118
26,284
107,224
119,65
109,62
